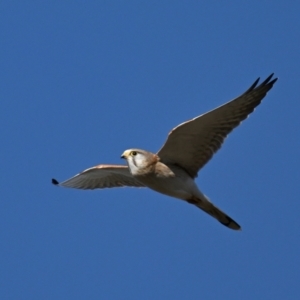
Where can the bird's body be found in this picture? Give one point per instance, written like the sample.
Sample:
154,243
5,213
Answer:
169,180
188,148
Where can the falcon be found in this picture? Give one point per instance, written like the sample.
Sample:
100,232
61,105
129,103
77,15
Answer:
173,169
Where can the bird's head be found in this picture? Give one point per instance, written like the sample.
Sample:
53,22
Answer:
139,161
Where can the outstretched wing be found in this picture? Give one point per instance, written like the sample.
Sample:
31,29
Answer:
191,144
100,177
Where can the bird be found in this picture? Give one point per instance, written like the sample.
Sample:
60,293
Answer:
189,146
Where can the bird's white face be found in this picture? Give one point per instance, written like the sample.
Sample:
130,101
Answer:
136,159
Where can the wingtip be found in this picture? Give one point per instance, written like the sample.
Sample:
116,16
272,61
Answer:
273,80
253,86
54,181
268,81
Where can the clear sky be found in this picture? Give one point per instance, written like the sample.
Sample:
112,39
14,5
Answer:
81,81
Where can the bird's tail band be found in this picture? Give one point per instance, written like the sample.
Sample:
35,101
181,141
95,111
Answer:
215,212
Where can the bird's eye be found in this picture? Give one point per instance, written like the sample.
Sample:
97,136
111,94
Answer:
133,153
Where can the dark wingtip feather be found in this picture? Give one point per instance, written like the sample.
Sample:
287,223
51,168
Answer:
273,81
268,79
265,82
268,82
54,181
253,85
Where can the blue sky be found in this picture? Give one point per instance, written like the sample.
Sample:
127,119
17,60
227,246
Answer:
81,81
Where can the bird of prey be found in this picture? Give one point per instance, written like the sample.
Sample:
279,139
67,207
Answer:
189,146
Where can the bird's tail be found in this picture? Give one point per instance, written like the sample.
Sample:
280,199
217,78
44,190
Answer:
215,212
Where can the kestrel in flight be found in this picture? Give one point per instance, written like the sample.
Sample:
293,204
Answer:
189,146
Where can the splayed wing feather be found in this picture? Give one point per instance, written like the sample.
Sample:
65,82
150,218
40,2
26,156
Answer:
192,144
100,177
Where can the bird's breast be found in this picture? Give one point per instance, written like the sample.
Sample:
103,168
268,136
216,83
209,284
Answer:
171,181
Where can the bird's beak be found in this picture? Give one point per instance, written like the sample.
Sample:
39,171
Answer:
125,154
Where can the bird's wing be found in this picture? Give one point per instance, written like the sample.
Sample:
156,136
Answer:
100,177
191,144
